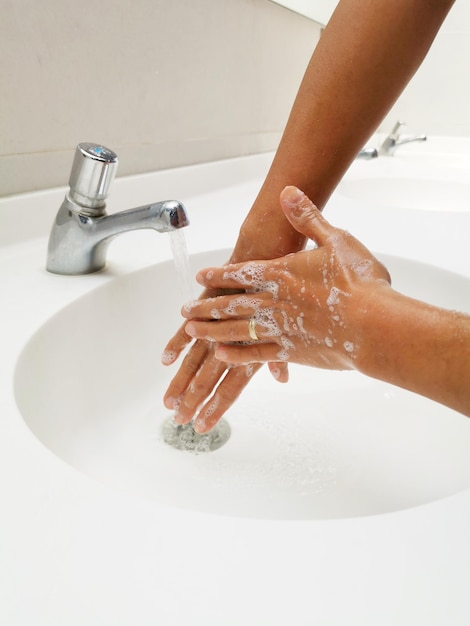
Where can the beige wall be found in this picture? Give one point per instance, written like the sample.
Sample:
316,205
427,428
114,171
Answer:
437,100
163,83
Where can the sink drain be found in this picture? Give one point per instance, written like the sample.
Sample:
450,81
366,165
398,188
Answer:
184,437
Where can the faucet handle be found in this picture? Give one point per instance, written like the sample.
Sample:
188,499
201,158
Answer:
93,170
396,129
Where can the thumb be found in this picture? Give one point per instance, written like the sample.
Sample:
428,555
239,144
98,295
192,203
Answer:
304,215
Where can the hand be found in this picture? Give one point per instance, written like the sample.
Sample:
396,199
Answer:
308,307
189,393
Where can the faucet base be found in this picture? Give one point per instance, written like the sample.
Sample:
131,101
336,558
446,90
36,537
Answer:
69,251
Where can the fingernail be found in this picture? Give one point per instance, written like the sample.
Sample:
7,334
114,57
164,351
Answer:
187,306
292,196
169,402
221,354
190,330
169,357
203,275
172,403
199,426
178,418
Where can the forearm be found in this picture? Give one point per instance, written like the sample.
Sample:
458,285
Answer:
418,347
365,57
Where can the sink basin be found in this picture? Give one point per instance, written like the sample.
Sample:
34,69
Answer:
428,176
328,445
428,194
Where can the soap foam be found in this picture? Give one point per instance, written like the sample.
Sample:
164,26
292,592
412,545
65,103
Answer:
168,357
265,319
246,301
287,345
251,276
334,298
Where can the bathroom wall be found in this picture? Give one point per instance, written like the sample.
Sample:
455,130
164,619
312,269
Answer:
162,83
437,100
170,83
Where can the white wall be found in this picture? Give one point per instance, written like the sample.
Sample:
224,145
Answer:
437,100
170,83
318,10
163,83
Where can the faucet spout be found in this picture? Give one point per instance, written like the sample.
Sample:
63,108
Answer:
82,231
78,242
161,216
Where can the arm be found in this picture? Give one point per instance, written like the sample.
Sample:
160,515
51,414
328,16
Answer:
366,55
333,307
364,59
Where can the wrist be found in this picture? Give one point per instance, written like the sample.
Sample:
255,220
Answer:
373,317
266,236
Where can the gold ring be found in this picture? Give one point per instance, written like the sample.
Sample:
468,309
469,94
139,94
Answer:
252,329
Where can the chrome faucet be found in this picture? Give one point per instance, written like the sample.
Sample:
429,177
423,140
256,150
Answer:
82,230
368,153
394,139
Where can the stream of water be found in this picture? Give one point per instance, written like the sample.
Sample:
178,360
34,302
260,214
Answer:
181,259
185,437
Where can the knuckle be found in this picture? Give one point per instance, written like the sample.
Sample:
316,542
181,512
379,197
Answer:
191,362
200,388
232,386
227,395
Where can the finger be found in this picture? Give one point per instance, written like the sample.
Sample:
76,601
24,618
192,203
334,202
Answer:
248,276
178,342
227,331
279,371
189,368
175,346
251,353
225,395
304,216
200,387
226,307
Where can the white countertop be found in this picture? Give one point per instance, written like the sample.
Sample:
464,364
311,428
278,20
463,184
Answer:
74,551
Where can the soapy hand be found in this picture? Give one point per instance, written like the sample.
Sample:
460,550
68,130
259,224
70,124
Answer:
204,386
288,305
308,307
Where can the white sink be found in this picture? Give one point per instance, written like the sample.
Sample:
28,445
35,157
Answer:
427,176
89,385
99,515
427,194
